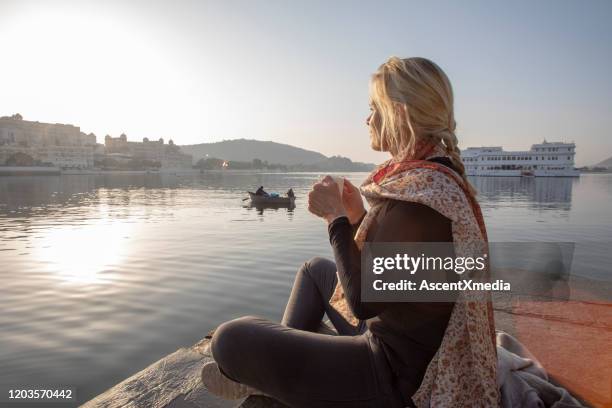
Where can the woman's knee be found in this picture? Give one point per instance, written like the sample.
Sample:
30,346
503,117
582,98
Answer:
231,339
318,268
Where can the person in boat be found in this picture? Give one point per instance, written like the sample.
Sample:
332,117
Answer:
290,193
389,354
261,192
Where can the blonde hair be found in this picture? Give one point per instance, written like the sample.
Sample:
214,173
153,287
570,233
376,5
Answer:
414,100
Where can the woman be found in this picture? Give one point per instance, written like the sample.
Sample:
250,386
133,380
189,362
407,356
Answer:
385,354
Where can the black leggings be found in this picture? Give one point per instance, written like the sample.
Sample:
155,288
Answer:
302,368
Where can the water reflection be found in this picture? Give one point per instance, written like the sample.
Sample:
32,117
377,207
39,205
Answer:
260,208
45,195
85,254
534,191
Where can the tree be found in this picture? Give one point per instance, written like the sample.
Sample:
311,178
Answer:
20,159
257,164
209,164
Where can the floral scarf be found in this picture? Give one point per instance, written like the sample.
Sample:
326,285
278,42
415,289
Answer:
462,373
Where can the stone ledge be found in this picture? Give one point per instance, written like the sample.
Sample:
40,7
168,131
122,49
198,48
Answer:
573,350
173,382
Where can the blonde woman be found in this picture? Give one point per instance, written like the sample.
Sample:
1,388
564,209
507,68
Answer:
382,354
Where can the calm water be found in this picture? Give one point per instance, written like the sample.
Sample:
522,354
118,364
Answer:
103,275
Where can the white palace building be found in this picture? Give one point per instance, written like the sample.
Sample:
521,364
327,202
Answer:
547,159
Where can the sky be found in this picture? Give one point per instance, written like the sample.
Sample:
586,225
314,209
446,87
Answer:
297,72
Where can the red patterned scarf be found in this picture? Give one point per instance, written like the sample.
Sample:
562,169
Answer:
463,371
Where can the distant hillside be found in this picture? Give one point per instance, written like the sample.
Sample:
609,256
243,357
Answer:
295,158
246,150
606,163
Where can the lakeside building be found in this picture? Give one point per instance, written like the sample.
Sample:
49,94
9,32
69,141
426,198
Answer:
27,143
169,156
40,143
546,159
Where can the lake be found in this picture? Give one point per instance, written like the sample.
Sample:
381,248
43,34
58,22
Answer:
103,275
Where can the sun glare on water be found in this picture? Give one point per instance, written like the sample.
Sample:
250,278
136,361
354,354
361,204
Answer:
86,254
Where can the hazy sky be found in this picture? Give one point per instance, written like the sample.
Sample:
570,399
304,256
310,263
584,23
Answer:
297,72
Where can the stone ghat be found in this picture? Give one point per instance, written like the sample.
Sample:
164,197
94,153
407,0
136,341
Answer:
173,382
571,339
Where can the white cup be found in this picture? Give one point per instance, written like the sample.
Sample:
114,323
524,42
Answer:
340,182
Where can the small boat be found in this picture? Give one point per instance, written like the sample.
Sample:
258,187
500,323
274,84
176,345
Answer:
527,173
273,200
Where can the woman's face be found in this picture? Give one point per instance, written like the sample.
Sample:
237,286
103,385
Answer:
373,123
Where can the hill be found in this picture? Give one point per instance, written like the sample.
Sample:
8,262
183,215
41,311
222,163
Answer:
291,157
606,163
246,150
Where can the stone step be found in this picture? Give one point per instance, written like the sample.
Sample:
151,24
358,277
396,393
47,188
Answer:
173,382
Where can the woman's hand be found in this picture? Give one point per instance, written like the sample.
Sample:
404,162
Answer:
352,201
324,200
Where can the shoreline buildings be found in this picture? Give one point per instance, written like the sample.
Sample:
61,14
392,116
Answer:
27,143
546,159
166,156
